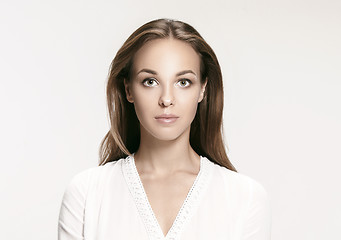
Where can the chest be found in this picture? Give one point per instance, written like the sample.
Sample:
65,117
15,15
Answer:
166,197
165,205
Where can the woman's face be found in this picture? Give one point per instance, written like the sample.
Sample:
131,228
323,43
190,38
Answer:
165,80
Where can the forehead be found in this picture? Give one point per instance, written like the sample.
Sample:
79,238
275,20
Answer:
167,55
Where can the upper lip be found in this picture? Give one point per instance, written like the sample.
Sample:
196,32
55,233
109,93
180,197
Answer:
166,116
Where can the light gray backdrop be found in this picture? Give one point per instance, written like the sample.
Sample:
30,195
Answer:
281,68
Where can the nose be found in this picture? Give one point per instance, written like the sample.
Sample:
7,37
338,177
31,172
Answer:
167,97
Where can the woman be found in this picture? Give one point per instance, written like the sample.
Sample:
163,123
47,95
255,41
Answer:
164,172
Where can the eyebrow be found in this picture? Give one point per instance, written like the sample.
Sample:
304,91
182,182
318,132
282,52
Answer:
155,73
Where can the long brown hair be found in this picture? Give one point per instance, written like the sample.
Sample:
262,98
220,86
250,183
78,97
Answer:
206,133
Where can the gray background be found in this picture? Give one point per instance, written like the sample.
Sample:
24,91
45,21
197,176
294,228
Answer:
281,68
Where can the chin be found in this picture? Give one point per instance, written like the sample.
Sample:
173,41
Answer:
167,134
170,136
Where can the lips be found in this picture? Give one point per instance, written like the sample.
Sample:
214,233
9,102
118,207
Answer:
166,118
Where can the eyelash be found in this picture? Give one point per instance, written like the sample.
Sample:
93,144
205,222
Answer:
183,79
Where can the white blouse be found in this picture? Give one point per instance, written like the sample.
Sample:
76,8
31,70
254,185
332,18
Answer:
109,203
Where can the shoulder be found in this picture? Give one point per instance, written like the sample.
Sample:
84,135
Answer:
249,197
242,187
82,180
76,196
242,201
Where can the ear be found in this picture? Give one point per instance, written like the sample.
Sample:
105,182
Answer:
202,91
128,91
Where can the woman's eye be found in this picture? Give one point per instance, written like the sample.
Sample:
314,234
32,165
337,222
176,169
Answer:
184,82
149,82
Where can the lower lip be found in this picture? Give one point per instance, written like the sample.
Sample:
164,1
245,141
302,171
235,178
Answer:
166,120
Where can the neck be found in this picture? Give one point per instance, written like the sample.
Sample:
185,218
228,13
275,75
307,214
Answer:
166,157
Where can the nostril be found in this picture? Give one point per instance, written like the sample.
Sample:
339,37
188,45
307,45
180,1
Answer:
166,102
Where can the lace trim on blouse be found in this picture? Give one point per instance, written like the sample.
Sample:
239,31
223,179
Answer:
145,210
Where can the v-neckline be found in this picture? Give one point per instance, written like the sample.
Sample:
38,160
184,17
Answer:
147,214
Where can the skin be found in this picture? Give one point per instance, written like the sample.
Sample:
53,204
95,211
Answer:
166,163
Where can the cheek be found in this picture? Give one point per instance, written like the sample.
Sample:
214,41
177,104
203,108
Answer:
188,103
144,103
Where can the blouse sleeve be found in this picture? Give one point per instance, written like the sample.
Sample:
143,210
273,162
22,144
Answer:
71,215
257,220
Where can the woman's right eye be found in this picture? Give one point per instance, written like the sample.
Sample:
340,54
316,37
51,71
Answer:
149,82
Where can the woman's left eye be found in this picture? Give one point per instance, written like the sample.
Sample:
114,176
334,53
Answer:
184,82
